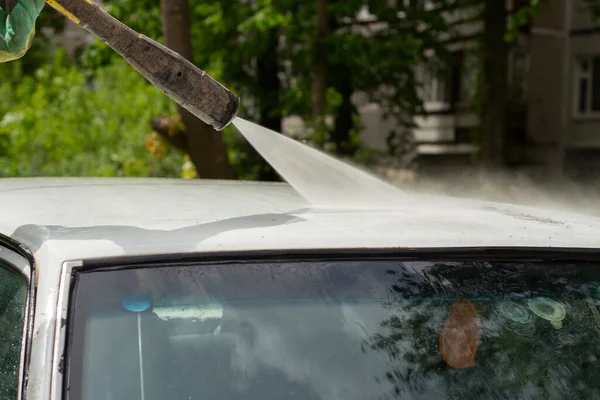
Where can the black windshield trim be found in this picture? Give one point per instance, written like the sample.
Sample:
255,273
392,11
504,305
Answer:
407,254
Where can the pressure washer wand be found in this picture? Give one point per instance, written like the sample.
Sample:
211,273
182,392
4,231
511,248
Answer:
178,78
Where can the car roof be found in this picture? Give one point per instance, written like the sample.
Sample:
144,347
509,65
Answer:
94,217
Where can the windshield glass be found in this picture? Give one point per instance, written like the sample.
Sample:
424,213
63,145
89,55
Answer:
337,330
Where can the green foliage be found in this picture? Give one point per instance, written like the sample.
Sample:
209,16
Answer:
60,123
231,36
522,17
142,16
264,50
234,35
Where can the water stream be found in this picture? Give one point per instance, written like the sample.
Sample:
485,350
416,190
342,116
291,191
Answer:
324,181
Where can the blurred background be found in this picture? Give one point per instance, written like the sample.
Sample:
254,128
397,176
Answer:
480,98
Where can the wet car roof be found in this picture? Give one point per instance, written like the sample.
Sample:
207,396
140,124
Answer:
110,217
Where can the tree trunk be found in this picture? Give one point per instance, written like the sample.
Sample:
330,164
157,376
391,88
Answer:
267,75
204,145
495,78
320,72
344,118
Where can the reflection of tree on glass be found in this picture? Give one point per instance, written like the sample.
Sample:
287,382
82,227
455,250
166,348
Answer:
13,298
521,355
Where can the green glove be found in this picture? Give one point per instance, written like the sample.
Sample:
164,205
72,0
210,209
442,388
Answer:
17,27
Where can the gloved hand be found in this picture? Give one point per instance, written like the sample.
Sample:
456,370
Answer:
17,26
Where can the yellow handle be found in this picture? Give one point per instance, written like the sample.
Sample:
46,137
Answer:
58,7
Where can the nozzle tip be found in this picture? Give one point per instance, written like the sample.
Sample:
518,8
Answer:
232,109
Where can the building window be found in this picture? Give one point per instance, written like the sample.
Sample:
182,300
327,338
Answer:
587,86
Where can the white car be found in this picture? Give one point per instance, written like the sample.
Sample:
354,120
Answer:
165,289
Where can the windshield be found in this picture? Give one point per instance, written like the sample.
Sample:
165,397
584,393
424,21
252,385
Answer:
337,330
